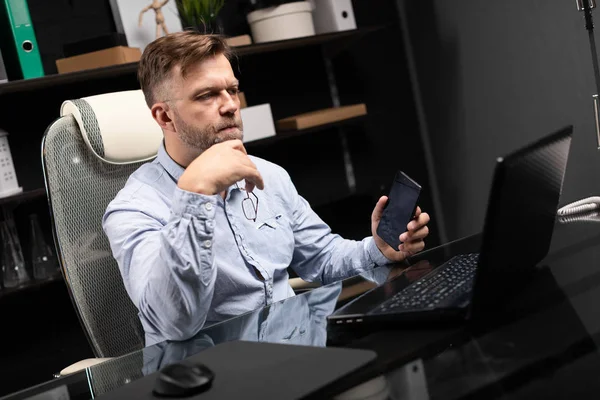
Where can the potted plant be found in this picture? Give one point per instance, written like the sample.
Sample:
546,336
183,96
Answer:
201,15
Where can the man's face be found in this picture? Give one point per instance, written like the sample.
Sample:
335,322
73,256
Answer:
206,106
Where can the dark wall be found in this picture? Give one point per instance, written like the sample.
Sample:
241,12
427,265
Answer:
493,77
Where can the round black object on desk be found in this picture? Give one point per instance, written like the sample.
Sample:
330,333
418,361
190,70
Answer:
183,379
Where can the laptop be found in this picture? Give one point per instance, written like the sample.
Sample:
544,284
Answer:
518,227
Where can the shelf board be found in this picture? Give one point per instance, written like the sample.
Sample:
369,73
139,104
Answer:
130,69
32,284
49,81
259,48
24,196
282,135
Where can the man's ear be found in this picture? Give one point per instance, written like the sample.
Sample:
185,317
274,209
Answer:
160,113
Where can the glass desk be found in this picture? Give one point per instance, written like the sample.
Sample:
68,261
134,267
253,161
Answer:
543,342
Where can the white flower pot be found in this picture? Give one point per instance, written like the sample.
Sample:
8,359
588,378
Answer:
286,21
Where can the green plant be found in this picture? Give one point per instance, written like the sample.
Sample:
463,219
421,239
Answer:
198,13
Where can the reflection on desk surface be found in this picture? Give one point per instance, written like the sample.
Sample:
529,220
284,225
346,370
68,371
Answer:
543,343
299,320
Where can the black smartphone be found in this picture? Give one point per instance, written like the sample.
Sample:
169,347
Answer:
399,209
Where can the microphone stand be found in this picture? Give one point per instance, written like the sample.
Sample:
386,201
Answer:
580,210
586,6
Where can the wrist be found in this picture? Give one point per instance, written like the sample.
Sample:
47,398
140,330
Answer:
196,187
377,251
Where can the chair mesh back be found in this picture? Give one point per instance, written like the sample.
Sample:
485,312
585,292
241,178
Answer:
79,187
112,374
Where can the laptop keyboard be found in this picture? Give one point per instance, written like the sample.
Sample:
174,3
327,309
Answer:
449,282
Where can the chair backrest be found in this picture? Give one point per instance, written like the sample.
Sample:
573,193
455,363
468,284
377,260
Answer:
82,176
112,374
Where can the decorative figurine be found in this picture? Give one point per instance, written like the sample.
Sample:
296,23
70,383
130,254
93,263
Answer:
157,5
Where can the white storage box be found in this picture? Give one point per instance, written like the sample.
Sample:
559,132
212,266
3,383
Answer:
333,15
258,122
8,177
286,21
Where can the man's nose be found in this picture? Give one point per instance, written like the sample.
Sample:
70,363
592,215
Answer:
229,103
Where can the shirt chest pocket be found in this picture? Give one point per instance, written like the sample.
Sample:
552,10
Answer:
295,335
269,224
273,239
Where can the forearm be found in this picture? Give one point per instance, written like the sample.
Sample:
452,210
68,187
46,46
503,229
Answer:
175,297
168,270
335,258
322,256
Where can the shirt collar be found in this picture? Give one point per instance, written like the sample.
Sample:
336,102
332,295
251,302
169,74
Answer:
176,170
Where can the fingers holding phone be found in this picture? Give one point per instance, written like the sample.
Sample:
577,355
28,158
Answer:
398,225
417,230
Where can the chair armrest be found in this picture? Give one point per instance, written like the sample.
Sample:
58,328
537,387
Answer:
81,365
300,284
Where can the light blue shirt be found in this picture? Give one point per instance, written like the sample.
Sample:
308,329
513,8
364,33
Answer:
190,260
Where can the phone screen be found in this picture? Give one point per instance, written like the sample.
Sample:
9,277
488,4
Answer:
404,201
399,210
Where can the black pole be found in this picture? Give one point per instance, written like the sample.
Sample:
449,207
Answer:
589,25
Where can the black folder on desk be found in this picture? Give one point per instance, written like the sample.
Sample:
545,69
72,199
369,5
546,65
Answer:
260,370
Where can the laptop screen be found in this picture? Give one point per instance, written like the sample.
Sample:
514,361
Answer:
521,214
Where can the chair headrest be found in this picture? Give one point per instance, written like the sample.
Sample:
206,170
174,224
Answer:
118,127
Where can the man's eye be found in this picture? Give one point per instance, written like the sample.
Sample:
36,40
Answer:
206,96
233,91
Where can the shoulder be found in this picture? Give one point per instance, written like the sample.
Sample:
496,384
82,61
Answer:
267,168
147,186
278,182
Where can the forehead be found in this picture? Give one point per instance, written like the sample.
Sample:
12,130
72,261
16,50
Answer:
213,70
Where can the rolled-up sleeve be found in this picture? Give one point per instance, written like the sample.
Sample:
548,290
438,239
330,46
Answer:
167,266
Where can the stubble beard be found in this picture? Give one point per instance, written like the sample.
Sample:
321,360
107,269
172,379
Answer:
201,139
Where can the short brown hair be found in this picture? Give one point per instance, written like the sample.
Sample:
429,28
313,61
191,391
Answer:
185,49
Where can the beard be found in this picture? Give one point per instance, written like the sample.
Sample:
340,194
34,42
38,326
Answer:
202,138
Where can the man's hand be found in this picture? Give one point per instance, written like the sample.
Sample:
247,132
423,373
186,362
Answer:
219,167
412,240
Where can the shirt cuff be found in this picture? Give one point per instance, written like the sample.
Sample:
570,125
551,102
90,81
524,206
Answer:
190,203
375,254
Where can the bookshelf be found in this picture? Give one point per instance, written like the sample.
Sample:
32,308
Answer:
130,69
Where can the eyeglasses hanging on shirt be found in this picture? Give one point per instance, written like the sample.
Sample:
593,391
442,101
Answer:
249,205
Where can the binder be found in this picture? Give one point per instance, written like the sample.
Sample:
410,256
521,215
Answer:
20,49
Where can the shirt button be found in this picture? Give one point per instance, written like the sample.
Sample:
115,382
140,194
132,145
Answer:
207,243
208,206
209,224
